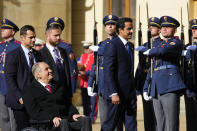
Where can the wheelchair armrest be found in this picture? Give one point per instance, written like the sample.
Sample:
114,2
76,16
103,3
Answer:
40,121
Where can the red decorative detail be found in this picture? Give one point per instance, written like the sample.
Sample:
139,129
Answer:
161,46
18,42
1,42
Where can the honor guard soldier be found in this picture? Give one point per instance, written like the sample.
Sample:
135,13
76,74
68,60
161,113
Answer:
191,74
166,85
90,103
8,30
68,47
109,22
141,72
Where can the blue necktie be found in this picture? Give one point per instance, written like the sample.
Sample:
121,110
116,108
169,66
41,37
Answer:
130,54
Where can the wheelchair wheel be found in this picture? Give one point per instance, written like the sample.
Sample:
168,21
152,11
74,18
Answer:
29,129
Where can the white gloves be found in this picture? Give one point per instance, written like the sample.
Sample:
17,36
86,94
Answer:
90,91
146,97
191,47
94,48
147,52
184,52
140,48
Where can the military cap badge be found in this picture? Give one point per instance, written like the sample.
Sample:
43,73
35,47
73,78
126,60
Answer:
4,20
152,19
56,19
110,16
165,18
194,21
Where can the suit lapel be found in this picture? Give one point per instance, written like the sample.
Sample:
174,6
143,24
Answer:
123,48
23,58
40,87
65,63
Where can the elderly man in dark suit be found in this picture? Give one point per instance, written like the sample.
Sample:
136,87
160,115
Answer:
18,74
55,56
46,100
118,79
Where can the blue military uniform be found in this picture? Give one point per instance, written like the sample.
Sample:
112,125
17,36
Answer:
140,77
166,85
6,118
108,19
166,55
72,63
5,48
166,68
190,96
101,91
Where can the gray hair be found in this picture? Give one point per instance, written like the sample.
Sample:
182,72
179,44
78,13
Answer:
36,69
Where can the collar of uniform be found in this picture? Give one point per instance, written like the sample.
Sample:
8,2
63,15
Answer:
123,40
195,40
156,38
50,47
9,41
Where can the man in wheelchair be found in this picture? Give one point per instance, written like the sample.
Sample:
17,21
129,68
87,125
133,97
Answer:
44,99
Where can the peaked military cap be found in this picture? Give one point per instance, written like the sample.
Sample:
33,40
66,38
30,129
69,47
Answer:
169,21
154,21
110,19
7,24
56,21
193,24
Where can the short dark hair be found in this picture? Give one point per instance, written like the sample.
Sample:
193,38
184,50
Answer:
25,28
121,23
53,26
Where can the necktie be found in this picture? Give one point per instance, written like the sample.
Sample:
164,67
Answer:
48,87
57,57
59,66
31,60
129,53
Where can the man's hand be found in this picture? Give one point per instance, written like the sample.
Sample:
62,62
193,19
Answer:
141,48
56,121
90,91
81,74
147,52
146,97
192,47
94,48
115,99
21,101
75,116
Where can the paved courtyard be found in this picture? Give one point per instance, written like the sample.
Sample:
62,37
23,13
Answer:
140,124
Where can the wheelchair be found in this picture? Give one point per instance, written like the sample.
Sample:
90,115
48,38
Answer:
35,125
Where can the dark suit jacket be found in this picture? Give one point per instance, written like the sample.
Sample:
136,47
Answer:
18,75
118,70
41,105
46,56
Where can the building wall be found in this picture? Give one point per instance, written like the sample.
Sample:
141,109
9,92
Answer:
83,21
36,13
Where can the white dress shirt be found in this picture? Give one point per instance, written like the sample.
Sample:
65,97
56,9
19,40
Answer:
51,48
